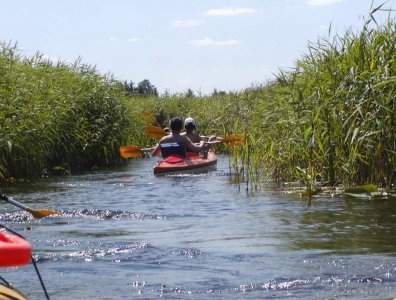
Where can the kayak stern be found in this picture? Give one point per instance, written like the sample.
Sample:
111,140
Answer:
192,163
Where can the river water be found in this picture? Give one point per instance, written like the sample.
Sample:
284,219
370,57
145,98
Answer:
127,234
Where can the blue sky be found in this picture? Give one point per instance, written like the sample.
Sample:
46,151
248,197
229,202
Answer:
179,44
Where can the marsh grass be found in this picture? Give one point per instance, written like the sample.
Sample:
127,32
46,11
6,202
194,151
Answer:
330,120
348,95
56,114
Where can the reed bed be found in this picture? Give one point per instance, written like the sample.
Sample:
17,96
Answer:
330,120
342,97
56,117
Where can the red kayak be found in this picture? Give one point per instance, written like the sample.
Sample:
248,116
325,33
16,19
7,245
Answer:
192,162
14,251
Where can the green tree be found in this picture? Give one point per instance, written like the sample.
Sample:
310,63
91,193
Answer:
189,93
146,88
130,87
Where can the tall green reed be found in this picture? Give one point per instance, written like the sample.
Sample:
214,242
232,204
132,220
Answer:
331,119
56,114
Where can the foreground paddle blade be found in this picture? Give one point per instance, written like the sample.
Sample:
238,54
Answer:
130,151
41,213
155,132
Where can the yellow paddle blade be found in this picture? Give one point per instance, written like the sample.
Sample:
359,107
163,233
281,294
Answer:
148,118
36,213
155,132
41,213
233,140
130,151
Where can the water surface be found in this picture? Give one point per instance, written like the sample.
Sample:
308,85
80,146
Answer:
125,233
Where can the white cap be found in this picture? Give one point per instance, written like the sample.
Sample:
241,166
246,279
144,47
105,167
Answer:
189,121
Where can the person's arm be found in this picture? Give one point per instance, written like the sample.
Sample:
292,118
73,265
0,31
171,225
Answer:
157,150
193,147
199,138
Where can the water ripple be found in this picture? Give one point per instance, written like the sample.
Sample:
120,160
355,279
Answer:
285,285
187,252
114,215
98,214
101,251
16,217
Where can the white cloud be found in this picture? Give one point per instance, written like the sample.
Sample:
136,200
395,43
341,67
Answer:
187,23
322,2
129,40
211,42
230,11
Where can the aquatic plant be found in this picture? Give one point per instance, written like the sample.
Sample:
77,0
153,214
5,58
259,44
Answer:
329,120
348,92
56,114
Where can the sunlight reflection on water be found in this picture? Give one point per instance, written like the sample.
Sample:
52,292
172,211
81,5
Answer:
128,234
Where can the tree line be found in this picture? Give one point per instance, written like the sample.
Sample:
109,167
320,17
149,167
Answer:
143,88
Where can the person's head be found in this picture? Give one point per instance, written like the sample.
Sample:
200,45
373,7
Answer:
176,124
189,124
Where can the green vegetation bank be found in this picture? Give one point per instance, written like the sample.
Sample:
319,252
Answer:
331,118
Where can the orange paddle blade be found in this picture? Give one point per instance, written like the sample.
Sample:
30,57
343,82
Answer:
231,140
155,132
41,213
148,118
130,151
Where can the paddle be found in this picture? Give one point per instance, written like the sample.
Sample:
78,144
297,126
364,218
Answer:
230,140
155,132
41,213
148,118
133,151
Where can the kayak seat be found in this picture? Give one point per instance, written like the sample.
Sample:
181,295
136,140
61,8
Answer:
174,159
168,149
